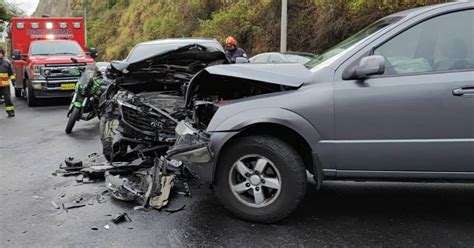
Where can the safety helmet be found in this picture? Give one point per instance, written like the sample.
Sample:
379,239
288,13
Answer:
231,41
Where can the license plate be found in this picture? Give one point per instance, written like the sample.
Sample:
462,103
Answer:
68,86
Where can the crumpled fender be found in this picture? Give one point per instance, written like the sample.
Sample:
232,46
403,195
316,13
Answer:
284,117
223,127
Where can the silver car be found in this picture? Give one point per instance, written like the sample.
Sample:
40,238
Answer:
393,102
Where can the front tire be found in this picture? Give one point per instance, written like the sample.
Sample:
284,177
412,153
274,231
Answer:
30,95
72,119
260,179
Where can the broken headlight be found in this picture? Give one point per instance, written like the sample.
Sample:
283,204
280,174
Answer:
191,145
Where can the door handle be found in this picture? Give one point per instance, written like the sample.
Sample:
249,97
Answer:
469,90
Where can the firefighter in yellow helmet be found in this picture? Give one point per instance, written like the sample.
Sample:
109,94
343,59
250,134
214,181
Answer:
6,74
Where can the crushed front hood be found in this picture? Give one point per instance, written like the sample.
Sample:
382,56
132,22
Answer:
273,77
193,53
293,75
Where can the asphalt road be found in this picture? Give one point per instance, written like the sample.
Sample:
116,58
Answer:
348,214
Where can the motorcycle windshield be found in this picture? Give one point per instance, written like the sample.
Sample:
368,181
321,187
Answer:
86,76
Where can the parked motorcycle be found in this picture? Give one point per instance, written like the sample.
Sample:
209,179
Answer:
85,102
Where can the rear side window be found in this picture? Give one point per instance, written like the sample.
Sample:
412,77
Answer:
276,59
261,58
443,43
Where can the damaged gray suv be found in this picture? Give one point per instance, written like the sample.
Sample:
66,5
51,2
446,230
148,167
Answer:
393,102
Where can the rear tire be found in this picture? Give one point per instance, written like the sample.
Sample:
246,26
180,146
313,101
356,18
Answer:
30,95
72,119
260,195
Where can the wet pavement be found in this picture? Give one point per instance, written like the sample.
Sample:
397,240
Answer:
349,214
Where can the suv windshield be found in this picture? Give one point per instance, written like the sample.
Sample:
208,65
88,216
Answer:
55,47
146,50
351,41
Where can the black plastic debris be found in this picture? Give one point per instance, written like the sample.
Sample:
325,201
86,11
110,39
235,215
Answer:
121,218
64,207
94,228
77,205
71,164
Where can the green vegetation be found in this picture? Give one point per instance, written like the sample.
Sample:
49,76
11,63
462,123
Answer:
115,26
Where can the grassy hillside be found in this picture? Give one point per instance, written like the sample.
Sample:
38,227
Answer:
114,26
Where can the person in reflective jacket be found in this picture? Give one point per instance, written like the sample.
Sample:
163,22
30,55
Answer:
232,49
6,74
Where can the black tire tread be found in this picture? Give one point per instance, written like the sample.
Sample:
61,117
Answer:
293,162
30,95
72,120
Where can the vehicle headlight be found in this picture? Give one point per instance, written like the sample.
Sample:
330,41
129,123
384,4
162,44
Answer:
184,128
37,68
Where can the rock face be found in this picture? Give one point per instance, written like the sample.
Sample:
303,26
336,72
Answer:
53,8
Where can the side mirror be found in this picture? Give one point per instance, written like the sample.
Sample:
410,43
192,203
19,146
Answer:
92,52
370,65
241,60
16,55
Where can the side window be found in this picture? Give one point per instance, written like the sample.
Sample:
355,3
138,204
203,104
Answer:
442,43
261,58
275,58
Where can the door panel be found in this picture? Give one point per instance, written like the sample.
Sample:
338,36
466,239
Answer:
412,118
405,123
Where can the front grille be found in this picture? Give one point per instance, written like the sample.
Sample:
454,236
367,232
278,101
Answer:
61,71
137,119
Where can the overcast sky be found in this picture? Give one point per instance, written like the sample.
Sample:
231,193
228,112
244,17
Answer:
28,6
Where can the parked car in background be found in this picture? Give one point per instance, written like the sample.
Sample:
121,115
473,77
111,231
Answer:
392,102
288,57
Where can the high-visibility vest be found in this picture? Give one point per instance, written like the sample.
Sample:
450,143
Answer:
5,69
4,79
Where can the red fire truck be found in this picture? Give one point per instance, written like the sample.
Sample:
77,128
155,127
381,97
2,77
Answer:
46,54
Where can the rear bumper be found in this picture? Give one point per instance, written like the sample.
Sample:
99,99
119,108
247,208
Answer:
52,89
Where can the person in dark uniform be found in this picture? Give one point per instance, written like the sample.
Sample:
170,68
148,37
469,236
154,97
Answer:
6,74
232,49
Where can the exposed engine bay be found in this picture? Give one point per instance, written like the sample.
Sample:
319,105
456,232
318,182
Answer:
158,109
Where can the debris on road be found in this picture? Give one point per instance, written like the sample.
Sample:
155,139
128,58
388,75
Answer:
71,164
56,206
107,227
162,199
79,178
148,180
121,218
80,205
94,228
64,207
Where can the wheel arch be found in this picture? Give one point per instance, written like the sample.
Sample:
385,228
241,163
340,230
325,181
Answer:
288,126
